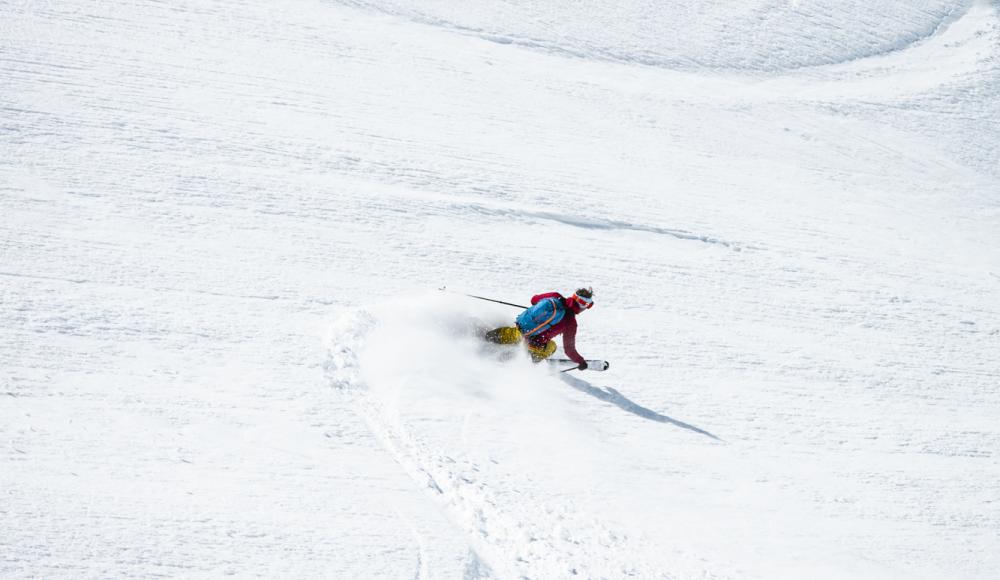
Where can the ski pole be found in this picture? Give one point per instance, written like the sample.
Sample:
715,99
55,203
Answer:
570,369
443,289
497,301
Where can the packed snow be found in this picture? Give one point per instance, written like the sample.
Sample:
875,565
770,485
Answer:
238,240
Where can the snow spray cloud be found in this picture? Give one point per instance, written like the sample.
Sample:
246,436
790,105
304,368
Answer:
424,360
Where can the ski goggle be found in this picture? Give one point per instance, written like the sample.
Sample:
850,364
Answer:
583,302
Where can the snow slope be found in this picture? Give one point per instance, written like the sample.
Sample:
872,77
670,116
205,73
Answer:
222,350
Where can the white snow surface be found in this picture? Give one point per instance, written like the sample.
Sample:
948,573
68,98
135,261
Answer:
223,351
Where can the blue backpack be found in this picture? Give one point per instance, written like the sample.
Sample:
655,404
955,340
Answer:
541,316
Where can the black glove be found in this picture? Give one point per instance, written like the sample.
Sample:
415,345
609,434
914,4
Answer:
582,366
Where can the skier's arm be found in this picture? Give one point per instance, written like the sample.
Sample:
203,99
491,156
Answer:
569,343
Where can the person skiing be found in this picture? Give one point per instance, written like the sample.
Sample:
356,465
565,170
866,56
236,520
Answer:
551,314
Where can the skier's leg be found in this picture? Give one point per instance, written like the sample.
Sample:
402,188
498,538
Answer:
504,335
541,352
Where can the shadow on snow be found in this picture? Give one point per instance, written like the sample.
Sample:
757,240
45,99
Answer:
612,396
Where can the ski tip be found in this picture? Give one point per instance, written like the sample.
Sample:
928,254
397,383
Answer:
592,365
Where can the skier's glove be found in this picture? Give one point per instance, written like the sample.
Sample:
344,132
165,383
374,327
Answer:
582,366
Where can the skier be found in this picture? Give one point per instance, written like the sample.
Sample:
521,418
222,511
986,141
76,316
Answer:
550,315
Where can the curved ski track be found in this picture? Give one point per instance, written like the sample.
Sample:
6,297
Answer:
575,46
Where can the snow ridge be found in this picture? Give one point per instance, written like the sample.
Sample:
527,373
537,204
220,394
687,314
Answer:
689,36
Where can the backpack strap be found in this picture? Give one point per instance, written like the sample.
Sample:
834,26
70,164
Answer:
555,311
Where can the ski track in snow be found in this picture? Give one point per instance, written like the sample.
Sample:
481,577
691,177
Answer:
514,536
592,223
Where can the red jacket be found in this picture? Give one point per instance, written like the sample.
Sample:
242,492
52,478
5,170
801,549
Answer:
566,327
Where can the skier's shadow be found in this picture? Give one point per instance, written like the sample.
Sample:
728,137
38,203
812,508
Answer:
612,396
